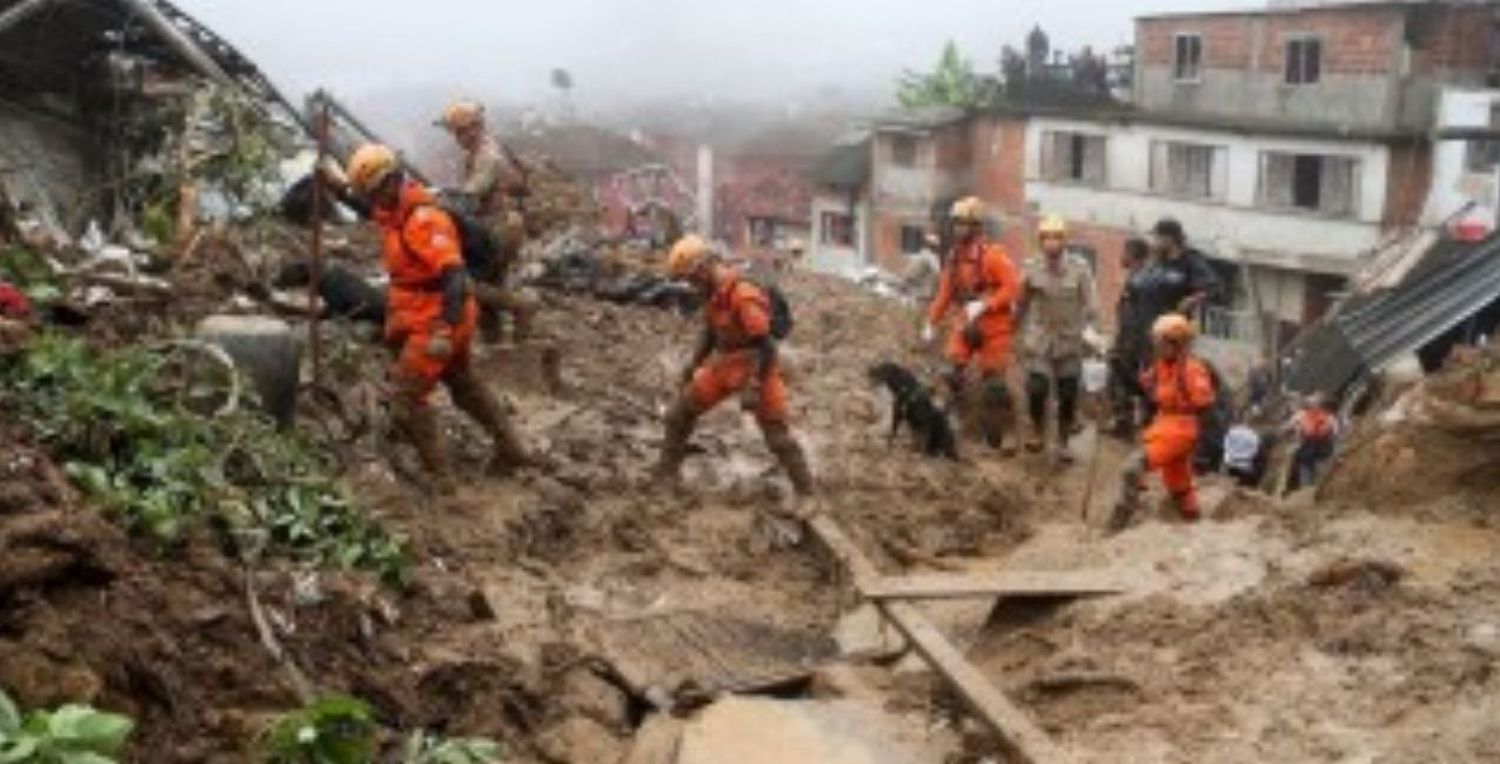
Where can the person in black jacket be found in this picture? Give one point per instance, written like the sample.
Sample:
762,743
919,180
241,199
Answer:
1128,353
1178,278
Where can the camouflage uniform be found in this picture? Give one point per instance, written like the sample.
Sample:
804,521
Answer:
491,185
1060,306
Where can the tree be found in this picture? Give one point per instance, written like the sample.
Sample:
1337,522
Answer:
952,83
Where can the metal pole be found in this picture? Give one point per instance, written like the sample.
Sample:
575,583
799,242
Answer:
175,37
314,305
19,13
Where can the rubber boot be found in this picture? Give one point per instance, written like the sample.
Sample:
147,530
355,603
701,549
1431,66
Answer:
475,399
678,428
420,424
551,365
996,411
789,454
1131,488
1187,505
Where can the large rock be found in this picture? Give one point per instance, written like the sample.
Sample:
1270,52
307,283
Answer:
266,353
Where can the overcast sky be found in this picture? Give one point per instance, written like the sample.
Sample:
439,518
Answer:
644,48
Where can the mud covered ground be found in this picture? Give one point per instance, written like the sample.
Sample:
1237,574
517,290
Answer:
1363,628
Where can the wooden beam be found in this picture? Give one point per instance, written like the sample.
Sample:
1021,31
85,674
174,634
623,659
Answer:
999,584
1018,735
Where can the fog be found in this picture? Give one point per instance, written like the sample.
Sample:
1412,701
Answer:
623,51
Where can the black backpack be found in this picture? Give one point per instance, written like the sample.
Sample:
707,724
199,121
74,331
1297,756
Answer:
782,322
478,244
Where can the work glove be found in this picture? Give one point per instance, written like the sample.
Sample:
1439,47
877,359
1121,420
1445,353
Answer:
440,346
929,334
974,309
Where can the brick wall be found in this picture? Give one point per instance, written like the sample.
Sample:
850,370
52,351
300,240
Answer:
1365,41
999,150
1226,40
1409,180
1453,38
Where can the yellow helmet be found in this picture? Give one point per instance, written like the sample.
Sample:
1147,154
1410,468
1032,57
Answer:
1052,225
462,114
1173,327
370,166
968,210
686,255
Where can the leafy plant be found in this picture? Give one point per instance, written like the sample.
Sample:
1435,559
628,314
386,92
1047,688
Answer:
122,424
73,734
951,83
426,748
334,730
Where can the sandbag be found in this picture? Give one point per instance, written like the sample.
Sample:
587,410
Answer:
266,354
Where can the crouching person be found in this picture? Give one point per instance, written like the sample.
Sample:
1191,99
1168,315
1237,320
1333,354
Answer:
1180,388
737,354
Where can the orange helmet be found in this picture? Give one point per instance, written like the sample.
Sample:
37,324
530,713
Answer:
370,166
462,115
1173,327
687,254
968,210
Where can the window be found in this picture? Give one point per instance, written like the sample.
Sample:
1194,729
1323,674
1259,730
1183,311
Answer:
1075,157
1189,57
912,239
837,229
904,151
1304,60
763,232
1324,184
1189,169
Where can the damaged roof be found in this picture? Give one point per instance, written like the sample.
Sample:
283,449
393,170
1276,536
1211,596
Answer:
1454,282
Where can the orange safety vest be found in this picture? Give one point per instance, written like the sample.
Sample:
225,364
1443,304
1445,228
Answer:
419,242
1181,388
1315,425
978,271
739,313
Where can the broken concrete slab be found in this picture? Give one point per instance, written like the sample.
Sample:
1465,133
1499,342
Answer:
750,731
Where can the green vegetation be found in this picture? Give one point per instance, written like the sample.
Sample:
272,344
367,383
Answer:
125,425
334,730
343,730
73,734
951,83
426,748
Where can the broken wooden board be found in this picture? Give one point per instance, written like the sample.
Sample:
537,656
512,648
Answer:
939,586
705,654
1018,735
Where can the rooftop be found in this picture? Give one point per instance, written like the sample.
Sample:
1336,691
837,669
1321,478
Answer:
1305,6
846,165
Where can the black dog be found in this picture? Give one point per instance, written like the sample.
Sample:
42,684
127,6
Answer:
913,405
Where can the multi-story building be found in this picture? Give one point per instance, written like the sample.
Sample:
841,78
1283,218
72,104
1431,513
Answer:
1293,143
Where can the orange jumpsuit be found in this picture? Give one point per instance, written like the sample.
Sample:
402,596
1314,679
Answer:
1181,389
978,271
420,242
739,316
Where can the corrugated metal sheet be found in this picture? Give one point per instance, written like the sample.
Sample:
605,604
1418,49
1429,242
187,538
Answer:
1454,283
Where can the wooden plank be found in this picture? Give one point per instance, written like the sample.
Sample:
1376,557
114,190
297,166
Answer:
999,584
1018,735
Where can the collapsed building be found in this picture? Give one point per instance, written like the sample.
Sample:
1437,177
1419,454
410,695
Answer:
112,108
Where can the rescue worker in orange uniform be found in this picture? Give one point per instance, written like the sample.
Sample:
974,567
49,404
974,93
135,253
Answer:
493,190
1181,387
1316,430
431,314
736,355
982,282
